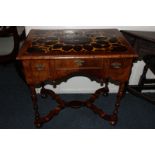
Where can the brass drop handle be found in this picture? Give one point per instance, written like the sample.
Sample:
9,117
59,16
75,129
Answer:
39,67
79,62
116,65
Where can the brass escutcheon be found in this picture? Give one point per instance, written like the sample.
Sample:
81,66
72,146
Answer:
116,65
79,62
39,67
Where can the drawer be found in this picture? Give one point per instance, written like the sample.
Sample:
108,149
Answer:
40,70
65,64
119,69
118,64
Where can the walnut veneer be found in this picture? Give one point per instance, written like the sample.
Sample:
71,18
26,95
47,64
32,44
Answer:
53,56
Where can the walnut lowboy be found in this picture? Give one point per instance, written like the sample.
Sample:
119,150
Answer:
43,64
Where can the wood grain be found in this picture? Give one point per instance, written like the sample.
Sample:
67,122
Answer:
101,55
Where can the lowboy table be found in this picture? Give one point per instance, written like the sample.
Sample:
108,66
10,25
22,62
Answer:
53,56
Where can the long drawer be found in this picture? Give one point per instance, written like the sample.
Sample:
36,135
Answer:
67,64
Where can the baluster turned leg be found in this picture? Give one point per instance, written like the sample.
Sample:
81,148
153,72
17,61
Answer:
120,94
35,106
42,92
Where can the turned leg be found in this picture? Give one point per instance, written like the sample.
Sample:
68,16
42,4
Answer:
35,105
120,94
106,87
42,92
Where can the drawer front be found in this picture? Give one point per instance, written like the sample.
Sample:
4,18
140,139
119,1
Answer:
40,70
92,68
119,69
66,64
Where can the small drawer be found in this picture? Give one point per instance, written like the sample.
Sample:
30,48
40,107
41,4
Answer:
40,70
117,64
119,69
78,64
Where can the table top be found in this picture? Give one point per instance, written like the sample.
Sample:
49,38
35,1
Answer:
75,42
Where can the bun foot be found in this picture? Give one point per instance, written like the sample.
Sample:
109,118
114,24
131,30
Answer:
113,120
113,123
37,125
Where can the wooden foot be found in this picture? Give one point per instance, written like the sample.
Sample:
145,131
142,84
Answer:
113,123
37,125
113,120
